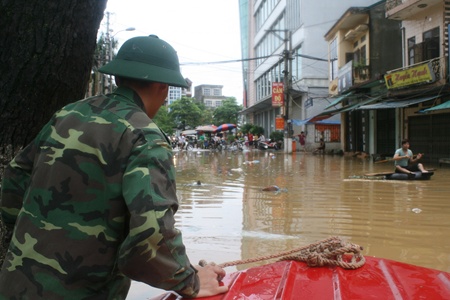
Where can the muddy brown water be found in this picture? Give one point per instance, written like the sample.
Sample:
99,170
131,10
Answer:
228,217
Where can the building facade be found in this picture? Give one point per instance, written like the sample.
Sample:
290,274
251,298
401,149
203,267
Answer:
283,42
175,93
210,95
406,97
363,45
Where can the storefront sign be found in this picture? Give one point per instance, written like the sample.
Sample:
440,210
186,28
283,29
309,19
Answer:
279,123
277,94
418,74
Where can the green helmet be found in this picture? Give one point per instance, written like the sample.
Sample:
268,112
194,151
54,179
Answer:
146,58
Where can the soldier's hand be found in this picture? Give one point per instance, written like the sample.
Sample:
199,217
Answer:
210,280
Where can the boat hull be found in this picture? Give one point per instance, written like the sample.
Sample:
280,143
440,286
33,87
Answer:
403,176
377,279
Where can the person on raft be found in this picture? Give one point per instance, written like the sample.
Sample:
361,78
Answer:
405,162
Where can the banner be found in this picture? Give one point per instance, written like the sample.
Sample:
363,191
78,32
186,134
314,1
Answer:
418,74
277,94
279,123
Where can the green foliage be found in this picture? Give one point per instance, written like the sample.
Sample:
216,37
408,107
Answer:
230,138
189,113
276,136
228,112
246,128
164,121
253,129
257,130
186,113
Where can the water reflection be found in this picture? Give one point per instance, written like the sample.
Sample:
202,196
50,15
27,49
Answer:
228,217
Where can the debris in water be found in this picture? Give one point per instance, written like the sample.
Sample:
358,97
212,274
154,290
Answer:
271,188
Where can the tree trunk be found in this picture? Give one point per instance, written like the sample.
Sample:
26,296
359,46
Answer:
46,55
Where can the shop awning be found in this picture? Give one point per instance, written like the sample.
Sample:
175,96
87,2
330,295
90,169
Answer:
328,114
338,100
445,105
397,104
329,122
259,106
359,104
319,119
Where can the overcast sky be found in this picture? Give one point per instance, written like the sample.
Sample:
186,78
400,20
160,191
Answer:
199,30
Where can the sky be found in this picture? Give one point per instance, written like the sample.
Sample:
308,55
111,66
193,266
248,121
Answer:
201,31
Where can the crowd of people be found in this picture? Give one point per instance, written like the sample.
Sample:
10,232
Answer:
215,140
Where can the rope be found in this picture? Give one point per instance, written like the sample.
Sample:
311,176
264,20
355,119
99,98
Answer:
329,252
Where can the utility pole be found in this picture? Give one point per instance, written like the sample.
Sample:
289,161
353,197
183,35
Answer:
108,51
287,57
109,42
287,82
287,79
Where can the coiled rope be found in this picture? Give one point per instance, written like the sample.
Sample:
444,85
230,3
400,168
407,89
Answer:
329,252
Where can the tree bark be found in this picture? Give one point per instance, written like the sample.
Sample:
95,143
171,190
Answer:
46,55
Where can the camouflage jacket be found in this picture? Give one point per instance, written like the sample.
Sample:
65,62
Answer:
92,202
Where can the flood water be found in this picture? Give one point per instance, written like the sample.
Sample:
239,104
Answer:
228,217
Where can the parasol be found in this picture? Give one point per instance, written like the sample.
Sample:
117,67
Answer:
206,128
225,127
189,132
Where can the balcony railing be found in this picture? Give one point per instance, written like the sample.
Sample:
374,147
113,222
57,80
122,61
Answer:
404,9
390,4
361,73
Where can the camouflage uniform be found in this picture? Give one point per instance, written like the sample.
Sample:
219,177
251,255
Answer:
92,203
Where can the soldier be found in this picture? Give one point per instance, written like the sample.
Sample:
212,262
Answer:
92,199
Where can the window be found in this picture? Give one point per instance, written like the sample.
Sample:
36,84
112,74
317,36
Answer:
431,44
217,92
363,59
411,50
207,92
174,94
218,103
356,57
329,133
270,42
264,83
426,50
208,103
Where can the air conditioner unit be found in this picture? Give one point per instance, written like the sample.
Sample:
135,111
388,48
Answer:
350,35
361,28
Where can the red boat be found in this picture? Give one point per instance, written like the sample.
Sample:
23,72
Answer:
378,278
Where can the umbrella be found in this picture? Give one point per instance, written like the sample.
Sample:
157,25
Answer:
206,128
189,132
225,127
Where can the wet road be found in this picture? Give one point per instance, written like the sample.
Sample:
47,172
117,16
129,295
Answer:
228,216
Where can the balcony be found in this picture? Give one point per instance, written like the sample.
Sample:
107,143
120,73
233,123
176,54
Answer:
405,9
360,73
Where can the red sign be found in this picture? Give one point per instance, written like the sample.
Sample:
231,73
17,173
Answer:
279,124
277,94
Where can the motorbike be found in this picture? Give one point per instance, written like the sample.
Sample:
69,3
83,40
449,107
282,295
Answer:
262,145
269,145
236,145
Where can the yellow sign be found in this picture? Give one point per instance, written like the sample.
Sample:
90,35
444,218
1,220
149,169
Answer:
418,74
277,94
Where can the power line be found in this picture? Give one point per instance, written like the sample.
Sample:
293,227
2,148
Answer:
226,61
249,59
